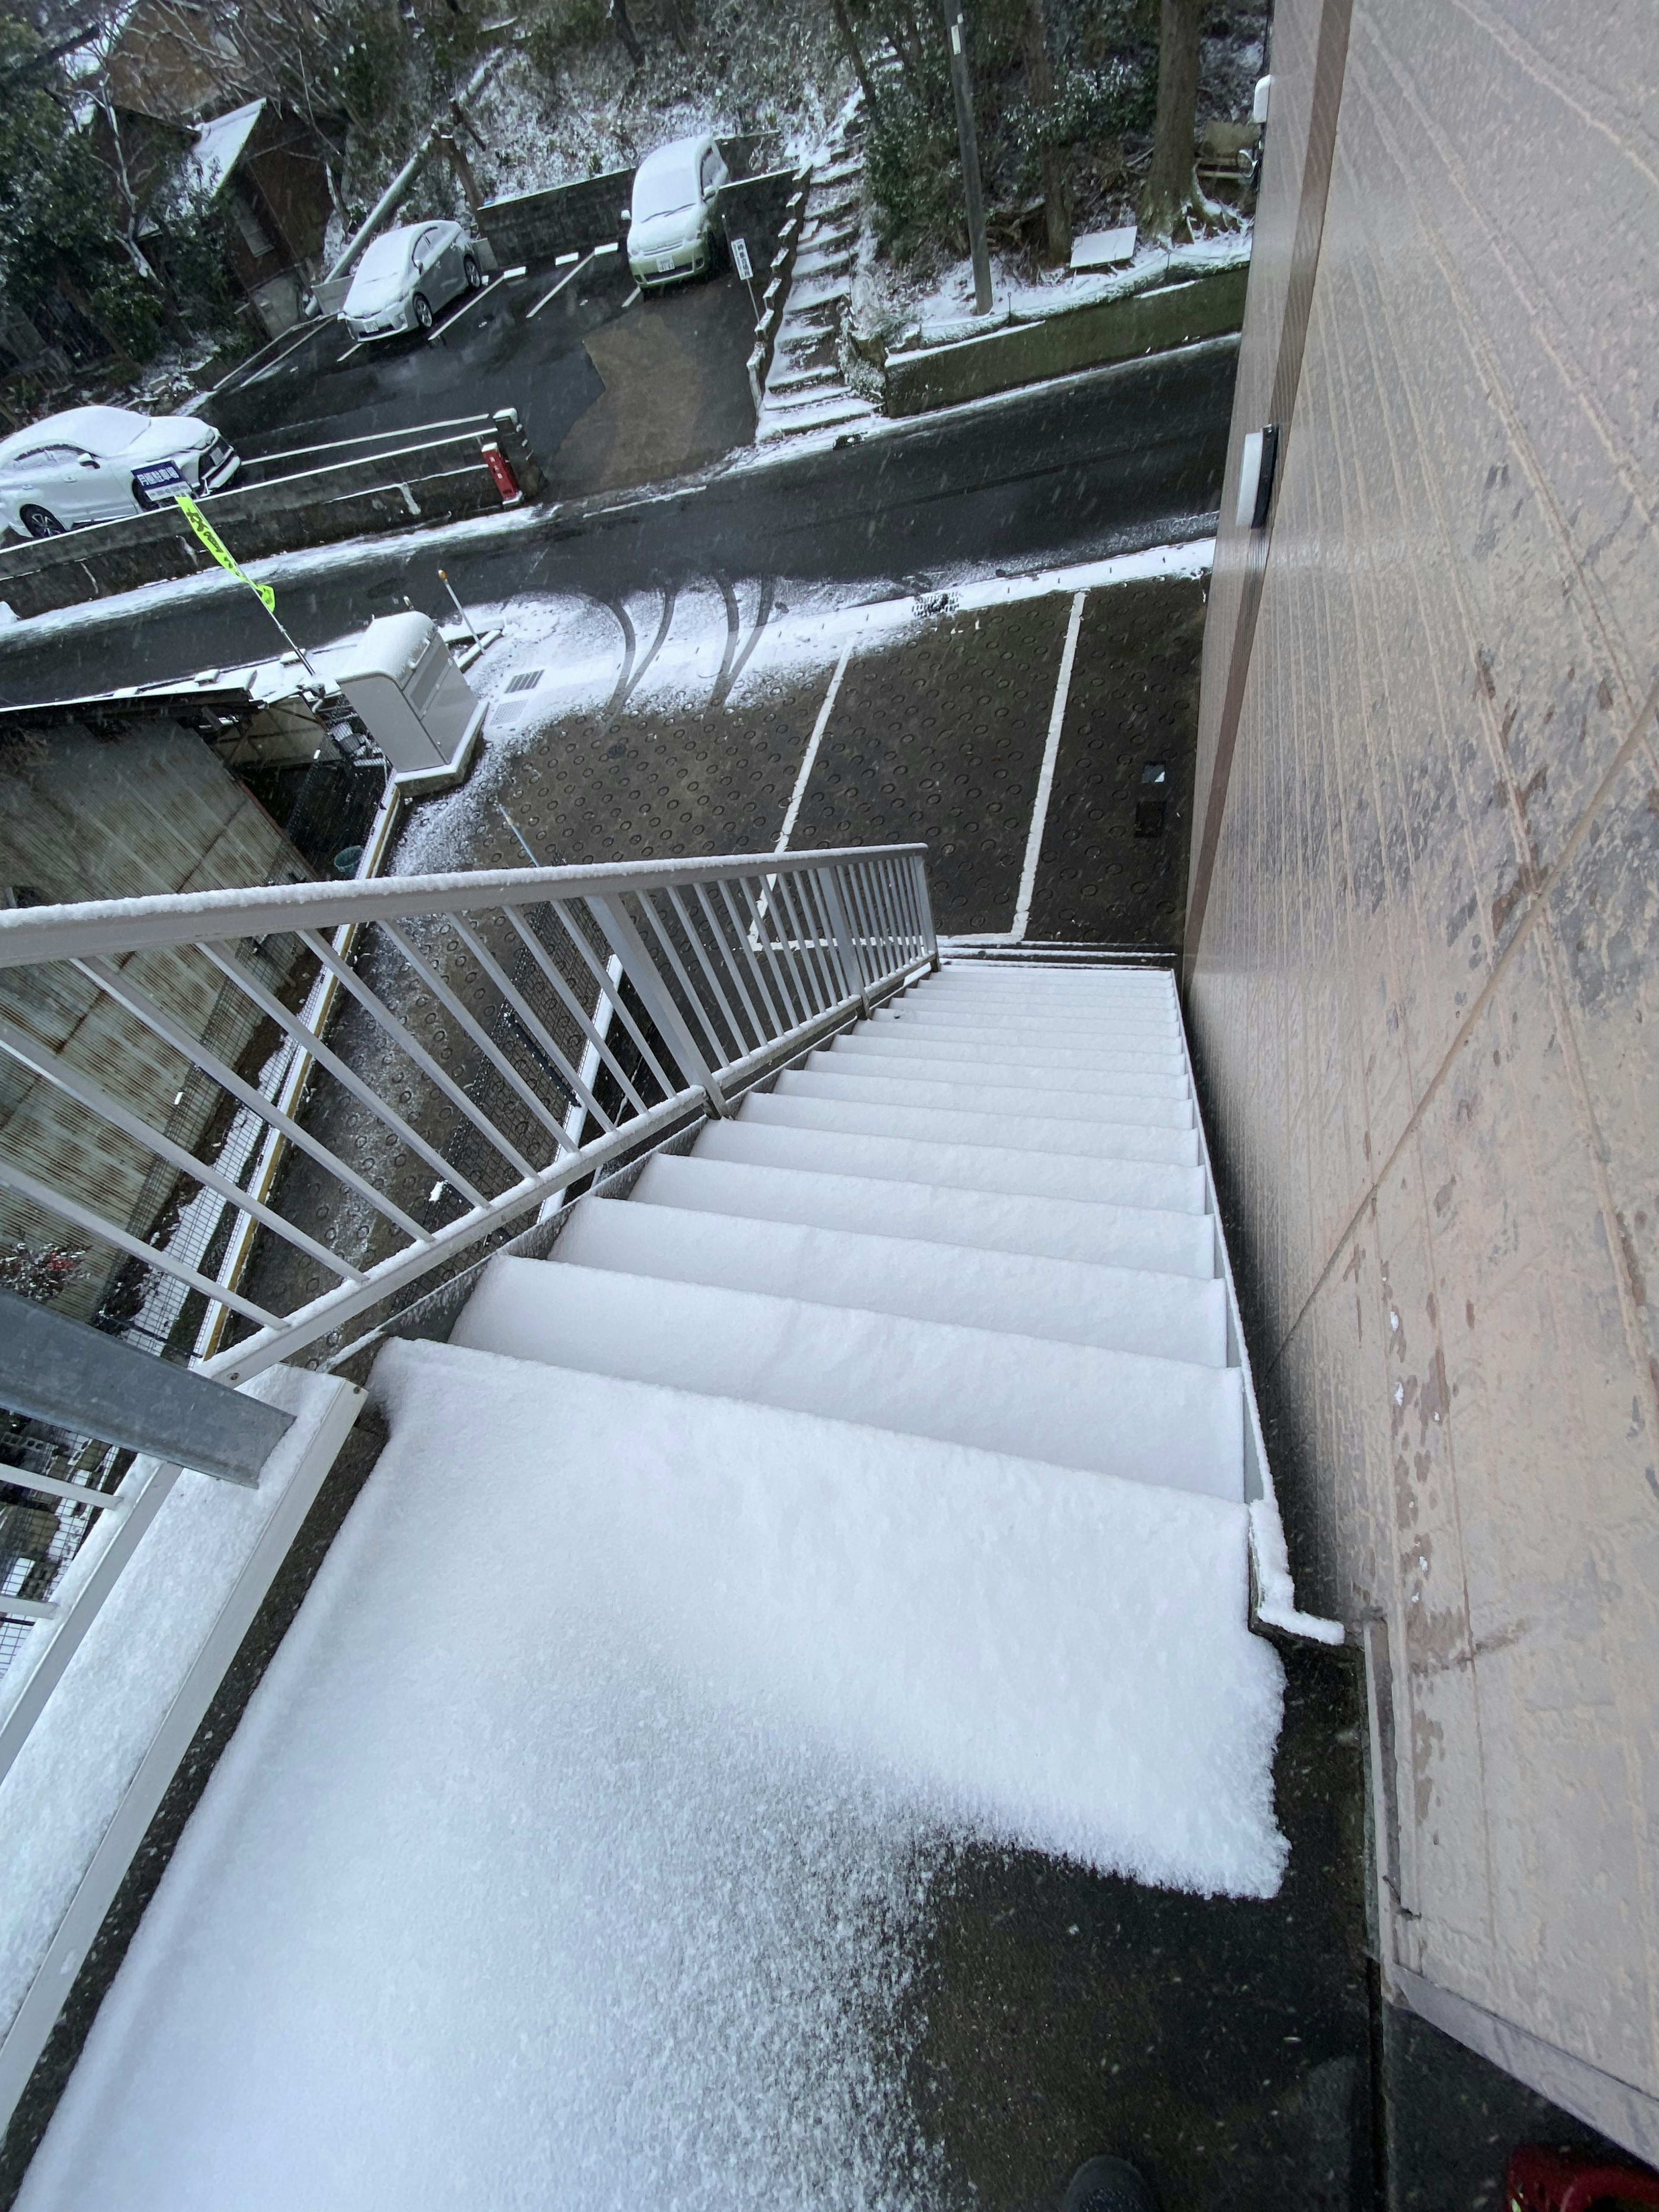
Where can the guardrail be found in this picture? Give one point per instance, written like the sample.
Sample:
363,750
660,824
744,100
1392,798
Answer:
496,1036
429,473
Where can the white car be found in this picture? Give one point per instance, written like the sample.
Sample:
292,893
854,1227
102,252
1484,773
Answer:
672,225
77,467
407,275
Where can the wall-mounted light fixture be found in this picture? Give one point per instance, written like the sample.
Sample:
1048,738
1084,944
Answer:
1256,477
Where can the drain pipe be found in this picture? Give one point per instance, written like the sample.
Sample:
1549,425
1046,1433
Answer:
406,176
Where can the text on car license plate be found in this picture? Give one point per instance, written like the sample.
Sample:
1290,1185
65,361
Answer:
665,261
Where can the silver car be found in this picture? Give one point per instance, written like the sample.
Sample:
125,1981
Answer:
77,467
672,230
407,275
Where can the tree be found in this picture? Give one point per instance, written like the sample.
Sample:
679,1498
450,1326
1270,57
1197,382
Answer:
848,38
1171,186
1039,76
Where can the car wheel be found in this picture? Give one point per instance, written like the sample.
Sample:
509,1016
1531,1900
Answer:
40,522
472,273
422,310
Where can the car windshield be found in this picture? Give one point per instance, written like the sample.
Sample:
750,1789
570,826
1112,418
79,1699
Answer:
666,182
387,256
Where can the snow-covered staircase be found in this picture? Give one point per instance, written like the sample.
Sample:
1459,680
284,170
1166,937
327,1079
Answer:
805,390
981,1217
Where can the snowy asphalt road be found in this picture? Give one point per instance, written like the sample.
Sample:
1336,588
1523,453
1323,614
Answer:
1095,465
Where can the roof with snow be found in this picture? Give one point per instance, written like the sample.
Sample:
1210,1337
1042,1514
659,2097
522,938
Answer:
219,145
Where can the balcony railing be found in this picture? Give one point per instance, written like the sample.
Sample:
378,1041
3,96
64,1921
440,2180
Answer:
240,1121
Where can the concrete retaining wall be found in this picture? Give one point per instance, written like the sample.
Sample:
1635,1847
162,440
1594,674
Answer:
444,481
1204,307
572,218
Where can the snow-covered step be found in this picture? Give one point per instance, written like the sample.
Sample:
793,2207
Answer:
967,1167
1130,1033
1070,1302
983,1220
984,1007
1168,1422
1054,1140
1158,1075
1045,1102
797,379
844,408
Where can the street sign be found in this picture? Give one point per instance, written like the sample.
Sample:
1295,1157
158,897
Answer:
157,481
740,259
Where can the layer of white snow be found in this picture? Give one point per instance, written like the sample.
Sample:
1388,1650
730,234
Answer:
219,146
575,1848
73,1770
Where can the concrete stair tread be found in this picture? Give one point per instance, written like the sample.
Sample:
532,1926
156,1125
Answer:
1066,1028
1065,1300
1037,1099
1164,1074
969,1167
1066,1140
1094,1231
1167,1422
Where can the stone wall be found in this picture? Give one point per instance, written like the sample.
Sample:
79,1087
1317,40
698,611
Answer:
1421,951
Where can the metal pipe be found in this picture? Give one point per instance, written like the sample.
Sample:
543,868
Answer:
406,176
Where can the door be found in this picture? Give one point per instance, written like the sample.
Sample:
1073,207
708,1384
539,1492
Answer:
54,478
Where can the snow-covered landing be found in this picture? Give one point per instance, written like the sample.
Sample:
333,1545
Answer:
573,1849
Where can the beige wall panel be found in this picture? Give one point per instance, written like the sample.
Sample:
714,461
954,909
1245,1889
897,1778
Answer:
1423,999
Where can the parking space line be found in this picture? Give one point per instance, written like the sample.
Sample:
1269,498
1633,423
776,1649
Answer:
581,263
1046,778
811,752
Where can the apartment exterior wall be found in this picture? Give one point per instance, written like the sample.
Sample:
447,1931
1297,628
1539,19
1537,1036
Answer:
1421,976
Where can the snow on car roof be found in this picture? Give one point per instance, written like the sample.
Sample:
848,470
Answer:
218,144
389,250
103,430
667,178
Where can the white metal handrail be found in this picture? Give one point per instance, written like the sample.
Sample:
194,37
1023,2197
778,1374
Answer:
493,1036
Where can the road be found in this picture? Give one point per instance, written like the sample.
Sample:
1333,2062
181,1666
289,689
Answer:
1104,463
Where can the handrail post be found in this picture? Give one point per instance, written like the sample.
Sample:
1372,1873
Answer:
640,969
925,905
851,958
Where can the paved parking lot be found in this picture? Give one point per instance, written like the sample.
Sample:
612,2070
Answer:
649,388
939,735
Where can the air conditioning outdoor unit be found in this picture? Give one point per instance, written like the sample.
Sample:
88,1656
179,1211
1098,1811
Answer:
411,698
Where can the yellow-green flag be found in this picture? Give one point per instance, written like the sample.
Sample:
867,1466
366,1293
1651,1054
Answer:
221,552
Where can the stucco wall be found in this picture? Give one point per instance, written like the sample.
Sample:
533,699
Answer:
1421,974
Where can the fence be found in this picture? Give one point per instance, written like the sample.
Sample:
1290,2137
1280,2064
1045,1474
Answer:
459,1050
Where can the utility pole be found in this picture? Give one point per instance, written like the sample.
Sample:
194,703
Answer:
973,192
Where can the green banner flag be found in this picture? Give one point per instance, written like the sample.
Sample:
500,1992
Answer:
221,552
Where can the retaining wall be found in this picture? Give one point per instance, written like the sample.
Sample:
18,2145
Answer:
1203,307
532,226
444,481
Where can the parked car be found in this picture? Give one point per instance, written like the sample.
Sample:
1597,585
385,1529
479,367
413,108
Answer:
407,275
77,467
671,227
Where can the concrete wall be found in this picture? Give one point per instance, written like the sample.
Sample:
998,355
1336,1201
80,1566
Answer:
1056,345
120,815
1422,931
444,481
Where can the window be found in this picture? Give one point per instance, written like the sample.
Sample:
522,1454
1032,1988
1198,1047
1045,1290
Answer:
249,227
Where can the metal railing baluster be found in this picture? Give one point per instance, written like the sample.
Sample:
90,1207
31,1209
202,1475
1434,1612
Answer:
469,1025
603,1053
744,934
308,1041
534,1027
613,992
137,1003
737,984
86,1093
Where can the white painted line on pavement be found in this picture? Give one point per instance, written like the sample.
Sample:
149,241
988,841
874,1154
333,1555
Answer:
1046,779
811,752
531,313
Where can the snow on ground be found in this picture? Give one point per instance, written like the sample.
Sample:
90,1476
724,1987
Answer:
936,310
579,647
575,1848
